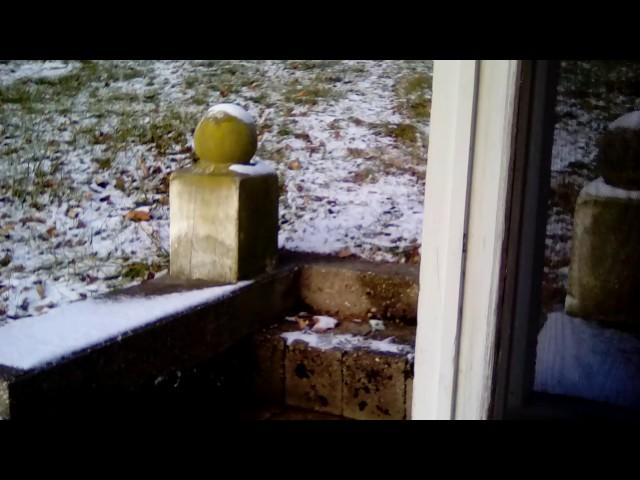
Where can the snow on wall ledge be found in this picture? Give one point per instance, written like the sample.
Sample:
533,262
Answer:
35,341
582,359
327,341
630,120
255,168
601,189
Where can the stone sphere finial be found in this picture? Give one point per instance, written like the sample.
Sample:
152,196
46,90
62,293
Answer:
225,135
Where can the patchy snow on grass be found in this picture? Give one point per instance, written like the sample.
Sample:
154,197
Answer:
365,219
10,72
36,341
353,187
76,157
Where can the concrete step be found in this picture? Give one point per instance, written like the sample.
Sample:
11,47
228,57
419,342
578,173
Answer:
352,371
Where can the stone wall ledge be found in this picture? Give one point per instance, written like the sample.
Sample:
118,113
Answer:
123,364
115,370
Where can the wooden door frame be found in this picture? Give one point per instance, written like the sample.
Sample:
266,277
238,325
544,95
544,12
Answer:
467,185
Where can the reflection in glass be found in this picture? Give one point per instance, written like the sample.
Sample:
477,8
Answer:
589,340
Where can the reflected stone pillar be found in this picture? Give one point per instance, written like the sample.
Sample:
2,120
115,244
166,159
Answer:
604,275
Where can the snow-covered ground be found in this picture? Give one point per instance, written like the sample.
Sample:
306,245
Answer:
85,144
86,150
34,70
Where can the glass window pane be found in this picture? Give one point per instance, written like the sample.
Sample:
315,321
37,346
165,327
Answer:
589,342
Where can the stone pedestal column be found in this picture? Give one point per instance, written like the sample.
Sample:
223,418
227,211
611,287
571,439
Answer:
224,210
604,276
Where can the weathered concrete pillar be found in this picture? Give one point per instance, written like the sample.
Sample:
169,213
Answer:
223,210
604,275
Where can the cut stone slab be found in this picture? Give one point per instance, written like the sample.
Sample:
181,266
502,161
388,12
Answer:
223,225
314,378
360,290
368,372
604,275
374,386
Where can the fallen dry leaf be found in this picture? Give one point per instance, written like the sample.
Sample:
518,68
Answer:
7,229
32,219
302,136
143,168
138,216
73,212
40,290
6,260
120,184
413,255
294,165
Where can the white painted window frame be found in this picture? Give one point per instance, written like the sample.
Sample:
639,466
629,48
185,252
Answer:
470,149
